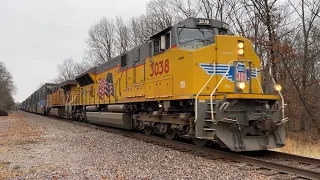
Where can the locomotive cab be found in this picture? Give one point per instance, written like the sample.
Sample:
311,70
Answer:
195,33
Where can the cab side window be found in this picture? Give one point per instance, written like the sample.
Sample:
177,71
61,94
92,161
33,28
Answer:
168,40
124,60
150,49
161,43
156,46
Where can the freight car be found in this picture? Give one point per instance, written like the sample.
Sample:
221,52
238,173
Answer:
36,102
194,79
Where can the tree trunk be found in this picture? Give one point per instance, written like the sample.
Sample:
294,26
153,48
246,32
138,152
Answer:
304,70
302,121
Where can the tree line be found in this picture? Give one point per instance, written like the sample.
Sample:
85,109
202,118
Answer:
285,35
7,89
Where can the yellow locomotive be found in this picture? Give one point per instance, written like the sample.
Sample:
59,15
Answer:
194,80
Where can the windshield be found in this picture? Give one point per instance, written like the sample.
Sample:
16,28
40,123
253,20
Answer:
191,34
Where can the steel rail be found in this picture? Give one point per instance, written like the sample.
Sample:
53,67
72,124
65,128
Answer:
302,159
283,156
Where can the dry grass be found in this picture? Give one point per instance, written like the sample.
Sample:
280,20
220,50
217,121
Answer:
303,144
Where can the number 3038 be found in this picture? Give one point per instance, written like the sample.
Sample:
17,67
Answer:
159,68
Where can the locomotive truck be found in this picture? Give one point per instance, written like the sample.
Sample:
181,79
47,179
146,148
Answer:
193,80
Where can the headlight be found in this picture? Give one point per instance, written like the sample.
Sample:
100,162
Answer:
277,87
241,85
240,45
240,51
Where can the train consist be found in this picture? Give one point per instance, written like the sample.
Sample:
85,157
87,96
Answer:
193,80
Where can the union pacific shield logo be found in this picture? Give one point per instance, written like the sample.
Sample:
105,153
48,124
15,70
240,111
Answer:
242,73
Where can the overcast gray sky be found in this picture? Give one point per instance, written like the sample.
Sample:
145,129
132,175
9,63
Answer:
36,35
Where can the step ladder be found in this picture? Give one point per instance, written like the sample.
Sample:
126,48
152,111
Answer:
78,96
206,110
205,128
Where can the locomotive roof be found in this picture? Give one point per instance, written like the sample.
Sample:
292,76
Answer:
47,84
196,22
68,83
161,32
91,70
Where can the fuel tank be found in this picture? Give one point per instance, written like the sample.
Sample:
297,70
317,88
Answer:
119,120
92,109
117,108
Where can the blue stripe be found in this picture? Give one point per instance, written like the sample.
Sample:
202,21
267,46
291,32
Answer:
222,69
208,68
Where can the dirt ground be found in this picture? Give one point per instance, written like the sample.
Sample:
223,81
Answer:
15,132
37,147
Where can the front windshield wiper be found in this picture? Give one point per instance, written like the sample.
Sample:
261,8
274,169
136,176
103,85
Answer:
202,40
201,32
179,32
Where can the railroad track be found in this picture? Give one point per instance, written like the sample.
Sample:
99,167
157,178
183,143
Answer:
267,161
304,165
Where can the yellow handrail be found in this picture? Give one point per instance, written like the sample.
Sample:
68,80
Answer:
215,89
196,104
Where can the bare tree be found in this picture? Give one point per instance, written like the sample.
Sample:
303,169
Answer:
7,88
159,16
101,42
266,12
185,8
68,70
122,36
308,12
216,9
138,32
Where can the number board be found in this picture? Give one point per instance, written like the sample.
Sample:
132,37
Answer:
159,68
203,22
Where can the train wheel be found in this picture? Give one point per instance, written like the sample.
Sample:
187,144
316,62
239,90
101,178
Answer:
200,142
148,130
171,134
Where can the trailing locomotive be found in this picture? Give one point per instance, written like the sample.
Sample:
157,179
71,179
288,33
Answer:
194,80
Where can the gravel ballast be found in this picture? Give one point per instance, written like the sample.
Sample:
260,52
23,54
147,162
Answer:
37,147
